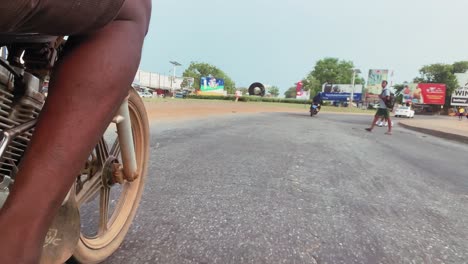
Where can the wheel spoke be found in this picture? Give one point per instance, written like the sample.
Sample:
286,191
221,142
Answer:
94,180
104,209
90,188
115,150
102,151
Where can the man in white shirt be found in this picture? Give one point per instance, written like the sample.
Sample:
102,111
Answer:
383,111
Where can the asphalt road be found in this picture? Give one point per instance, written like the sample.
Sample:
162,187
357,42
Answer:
288,188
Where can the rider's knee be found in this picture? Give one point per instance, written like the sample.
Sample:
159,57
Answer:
137,11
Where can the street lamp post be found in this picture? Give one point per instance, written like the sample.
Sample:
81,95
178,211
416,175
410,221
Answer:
355,71
175,64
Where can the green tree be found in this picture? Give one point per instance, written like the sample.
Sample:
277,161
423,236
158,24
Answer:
333,70
197,70
291,92
311,84
439,73
399,92
274,91
244,90
460,67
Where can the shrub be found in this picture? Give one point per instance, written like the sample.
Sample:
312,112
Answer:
250,99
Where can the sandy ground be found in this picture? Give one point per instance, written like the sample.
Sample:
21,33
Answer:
452,125
188,109
172,109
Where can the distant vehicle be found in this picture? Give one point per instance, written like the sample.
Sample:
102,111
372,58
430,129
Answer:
404,111
341,103
373,106
145,94
182,94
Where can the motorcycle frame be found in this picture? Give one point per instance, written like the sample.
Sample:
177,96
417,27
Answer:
54,47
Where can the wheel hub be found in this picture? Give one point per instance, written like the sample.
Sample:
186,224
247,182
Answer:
109,170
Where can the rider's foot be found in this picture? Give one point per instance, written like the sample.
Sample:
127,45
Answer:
368,129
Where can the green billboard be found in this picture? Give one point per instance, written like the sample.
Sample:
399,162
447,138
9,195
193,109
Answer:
375,80
211,84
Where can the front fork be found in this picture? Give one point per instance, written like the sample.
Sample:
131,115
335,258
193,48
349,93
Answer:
127,147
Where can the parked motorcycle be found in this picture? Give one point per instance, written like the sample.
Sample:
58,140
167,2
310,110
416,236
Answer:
111,181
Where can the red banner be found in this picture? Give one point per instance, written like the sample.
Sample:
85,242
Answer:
299,90
432,93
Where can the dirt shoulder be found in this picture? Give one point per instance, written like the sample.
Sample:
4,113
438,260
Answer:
451,129
178,109
171,109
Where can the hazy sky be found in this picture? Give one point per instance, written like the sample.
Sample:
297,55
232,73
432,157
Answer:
277,42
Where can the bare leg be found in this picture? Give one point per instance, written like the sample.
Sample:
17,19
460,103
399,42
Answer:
389,132
376,118
88,86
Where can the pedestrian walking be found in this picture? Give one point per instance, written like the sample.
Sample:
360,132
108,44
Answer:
383,111
461,113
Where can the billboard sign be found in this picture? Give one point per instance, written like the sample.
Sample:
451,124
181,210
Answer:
341,96
211,84
305,95
299,90
425,93
341,92
341,88
375,79
433,93
460,95
412,94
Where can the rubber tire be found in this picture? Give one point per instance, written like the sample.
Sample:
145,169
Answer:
257,85
84,254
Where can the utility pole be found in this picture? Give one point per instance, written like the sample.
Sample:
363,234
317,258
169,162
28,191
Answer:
174,64
355,71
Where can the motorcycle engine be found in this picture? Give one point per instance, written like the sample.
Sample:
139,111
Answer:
20,102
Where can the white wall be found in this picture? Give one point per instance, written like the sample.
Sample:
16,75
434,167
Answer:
157,81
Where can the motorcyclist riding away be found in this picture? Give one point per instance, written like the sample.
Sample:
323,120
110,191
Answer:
317,100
